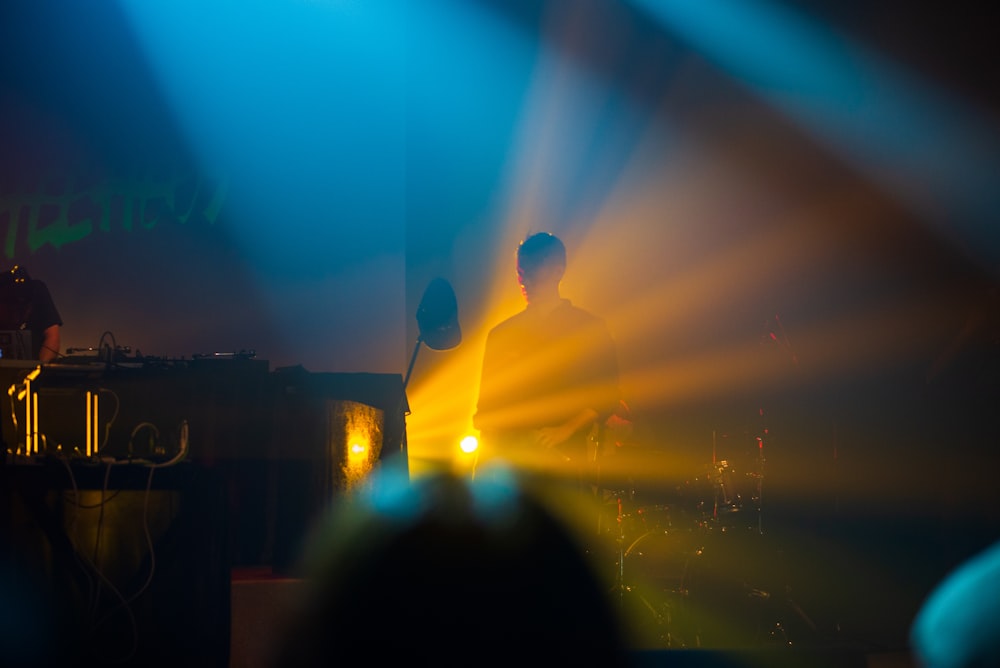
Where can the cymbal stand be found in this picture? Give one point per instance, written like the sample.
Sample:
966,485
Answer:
620,544
596,439
661,611
758,476
716,481
662,619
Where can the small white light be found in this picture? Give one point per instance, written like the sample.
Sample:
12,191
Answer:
469,444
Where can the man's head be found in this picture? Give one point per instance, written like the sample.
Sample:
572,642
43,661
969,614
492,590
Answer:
381,549
541,263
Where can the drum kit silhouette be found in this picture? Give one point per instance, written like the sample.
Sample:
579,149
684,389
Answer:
698,571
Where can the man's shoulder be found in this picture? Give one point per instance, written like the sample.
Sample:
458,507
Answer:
567,315
570,312
507,326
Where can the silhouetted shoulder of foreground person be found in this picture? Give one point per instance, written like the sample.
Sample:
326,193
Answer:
446,570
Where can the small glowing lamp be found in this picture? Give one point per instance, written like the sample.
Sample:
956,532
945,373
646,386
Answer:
469,444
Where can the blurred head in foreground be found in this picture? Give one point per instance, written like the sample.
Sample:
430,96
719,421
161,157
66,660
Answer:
444,569
958,626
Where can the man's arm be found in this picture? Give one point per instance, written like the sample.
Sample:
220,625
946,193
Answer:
562,432
50,344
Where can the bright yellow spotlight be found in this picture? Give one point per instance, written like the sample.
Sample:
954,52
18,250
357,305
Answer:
361,428
469,444
464,460
357,456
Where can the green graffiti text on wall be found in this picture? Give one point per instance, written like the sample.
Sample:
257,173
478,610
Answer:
29,222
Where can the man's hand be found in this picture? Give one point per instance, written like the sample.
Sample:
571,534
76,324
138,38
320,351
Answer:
550,437
554,435
50,344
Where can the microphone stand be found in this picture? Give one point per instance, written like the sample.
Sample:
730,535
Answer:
413,360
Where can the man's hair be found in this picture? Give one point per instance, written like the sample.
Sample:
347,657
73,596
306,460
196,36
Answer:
539,249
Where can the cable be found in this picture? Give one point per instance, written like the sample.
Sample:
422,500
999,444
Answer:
156,436
97,581
126,603
97,534
89,566
108,334
85,567
82,506
96,584
111,349
123,603
22,349
53,350
110,423
182,445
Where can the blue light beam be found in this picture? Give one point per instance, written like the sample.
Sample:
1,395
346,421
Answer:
935,153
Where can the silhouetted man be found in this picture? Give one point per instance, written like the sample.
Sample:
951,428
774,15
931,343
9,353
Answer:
549,373
27,307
